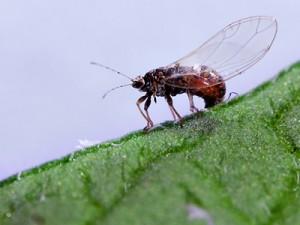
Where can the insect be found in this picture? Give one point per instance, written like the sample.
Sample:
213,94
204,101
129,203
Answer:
204,71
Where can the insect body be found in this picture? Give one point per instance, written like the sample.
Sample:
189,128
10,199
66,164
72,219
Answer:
204,71
170,81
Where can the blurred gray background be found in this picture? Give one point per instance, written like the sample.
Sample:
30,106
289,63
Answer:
51,96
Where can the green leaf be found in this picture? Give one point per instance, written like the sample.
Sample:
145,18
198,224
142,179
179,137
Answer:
237,164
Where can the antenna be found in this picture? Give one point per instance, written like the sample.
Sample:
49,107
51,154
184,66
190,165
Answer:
106,93
111,69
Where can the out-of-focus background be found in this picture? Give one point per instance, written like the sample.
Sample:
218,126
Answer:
50,95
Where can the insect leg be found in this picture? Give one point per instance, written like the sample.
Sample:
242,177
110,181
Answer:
146,106
140,101
236,94
172,112
193,108
146,116
172,109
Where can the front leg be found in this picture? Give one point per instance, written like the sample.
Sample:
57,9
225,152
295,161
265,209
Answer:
146,106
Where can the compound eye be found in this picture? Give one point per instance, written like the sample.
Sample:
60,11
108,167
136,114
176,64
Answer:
138,84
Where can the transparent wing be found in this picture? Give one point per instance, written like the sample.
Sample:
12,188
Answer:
235,48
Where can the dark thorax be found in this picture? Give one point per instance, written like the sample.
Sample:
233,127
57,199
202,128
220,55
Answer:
155,81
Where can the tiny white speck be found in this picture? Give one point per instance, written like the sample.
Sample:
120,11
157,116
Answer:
42,198
197,67
19,176
84,143
114,144
196,213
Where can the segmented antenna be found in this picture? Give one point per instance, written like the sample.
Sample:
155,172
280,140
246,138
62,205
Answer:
106,93
111,69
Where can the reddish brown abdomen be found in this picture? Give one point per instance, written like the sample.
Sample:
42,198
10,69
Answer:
208,85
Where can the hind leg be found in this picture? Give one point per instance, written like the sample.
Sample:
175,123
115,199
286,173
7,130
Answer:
193,108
